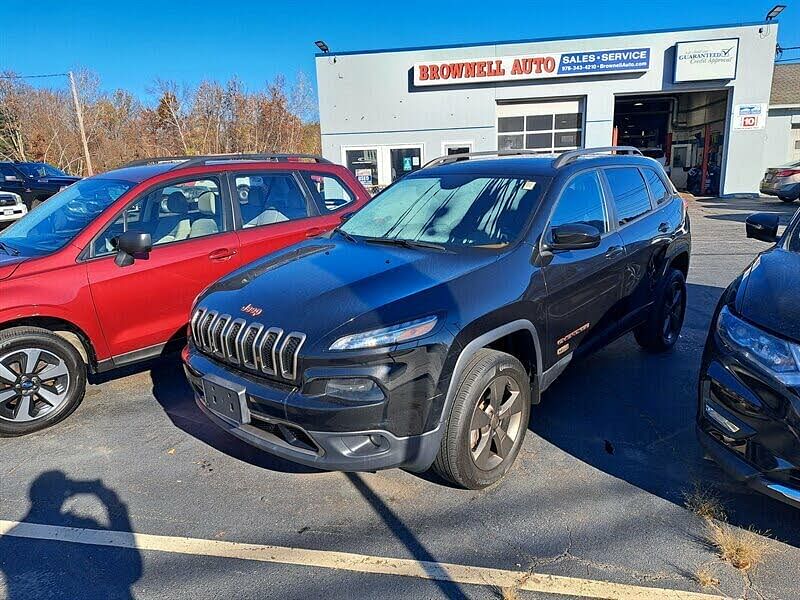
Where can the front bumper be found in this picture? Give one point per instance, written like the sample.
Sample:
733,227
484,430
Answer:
12,213
312,431
749,423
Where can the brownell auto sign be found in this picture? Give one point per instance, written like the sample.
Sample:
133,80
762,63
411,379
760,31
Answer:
531,66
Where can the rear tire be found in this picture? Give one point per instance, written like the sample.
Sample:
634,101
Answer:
664,323
42,380
487,423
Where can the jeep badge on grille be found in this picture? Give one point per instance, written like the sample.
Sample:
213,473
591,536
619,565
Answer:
252,310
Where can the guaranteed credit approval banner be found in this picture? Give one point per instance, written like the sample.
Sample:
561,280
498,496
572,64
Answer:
532,66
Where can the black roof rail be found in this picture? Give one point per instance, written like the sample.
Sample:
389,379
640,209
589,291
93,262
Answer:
571,155
441,160
210,159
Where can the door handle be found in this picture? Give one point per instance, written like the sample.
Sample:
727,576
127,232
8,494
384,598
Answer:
615,251
314,231
663,228
222,254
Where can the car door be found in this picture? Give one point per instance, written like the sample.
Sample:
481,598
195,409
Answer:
645,233
583,286
147,304
274,210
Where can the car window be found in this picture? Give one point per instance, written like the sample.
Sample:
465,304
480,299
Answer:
451,209
629,192
53,224
6,170
172,213
268,198
656,185
36,170
328,191
582,202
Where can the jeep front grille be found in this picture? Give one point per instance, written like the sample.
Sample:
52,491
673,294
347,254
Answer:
248,346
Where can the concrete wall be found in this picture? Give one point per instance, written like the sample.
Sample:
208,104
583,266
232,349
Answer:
368,98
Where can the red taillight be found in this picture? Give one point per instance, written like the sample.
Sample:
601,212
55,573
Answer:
787,173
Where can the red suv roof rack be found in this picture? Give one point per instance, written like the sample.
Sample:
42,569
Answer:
193,161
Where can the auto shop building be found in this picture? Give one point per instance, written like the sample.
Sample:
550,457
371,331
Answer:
695,99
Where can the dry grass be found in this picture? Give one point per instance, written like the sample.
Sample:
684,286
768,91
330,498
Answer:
742,548
705,577
705,503
509,593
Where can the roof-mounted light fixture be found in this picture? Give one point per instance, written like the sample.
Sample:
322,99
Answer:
775,11
323,47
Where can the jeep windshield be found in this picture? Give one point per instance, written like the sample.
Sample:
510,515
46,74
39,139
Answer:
452,210
57,221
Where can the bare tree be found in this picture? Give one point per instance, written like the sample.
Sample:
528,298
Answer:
38,123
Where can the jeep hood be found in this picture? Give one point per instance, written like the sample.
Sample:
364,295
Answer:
324,285
766,295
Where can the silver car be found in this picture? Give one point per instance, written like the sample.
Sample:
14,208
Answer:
11,207
783,182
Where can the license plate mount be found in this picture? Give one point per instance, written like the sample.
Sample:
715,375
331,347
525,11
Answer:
226,399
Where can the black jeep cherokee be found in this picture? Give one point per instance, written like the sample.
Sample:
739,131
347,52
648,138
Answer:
418,333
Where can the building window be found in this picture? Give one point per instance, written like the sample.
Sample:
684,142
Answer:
546,127
364,164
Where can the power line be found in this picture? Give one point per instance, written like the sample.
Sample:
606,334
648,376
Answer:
34,76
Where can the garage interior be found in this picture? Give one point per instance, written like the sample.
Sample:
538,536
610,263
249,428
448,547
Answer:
685,132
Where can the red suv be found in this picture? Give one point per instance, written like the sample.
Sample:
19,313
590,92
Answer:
104,273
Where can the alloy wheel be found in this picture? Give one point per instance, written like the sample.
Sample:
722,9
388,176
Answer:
33,383
673,318
496,423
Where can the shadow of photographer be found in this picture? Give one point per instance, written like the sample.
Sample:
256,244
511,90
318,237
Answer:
35,564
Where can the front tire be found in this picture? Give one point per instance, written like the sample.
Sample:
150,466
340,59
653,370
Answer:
487,423
664,323
42,380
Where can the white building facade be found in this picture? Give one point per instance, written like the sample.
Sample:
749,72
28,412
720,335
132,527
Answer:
695,99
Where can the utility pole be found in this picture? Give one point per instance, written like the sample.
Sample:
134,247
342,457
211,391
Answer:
79,114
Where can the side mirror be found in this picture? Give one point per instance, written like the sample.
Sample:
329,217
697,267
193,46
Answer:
346,216
574,236
763,227
130,245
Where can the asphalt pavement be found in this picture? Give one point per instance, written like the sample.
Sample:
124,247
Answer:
597,491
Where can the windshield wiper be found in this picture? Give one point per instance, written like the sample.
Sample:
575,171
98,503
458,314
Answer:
406,243
345,235
8,249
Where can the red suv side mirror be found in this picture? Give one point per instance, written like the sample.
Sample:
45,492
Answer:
129,245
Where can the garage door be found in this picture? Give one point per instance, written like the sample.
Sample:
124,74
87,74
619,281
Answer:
545,127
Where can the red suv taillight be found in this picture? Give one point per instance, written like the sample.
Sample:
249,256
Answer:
787,173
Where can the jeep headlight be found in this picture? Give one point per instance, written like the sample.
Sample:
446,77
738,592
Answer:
387,336
779,357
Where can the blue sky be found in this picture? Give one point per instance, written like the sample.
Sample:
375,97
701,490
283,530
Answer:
129,44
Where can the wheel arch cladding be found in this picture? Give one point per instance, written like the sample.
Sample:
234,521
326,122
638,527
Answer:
70,332
680,261
496,339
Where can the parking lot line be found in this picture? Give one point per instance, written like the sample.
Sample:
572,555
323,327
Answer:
361,563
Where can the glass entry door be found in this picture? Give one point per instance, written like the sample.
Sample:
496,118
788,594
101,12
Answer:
363,162
378,166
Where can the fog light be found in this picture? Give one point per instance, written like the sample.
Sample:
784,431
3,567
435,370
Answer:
360,389
720,420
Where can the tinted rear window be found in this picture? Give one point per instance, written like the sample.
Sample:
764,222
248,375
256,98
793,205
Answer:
629,192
